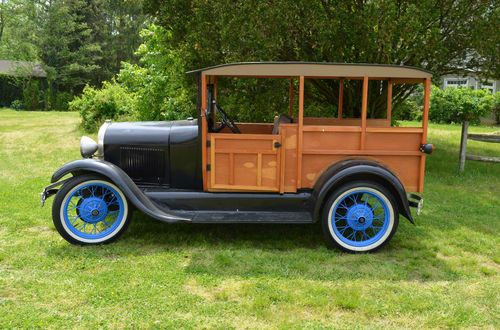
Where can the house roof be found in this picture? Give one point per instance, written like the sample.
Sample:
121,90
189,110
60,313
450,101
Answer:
22,68
314,69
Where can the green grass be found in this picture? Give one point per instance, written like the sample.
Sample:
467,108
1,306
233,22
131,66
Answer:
443,272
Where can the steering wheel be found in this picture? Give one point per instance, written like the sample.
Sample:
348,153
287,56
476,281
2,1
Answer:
226,121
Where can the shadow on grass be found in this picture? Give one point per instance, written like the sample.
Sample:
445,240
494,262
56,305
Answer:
276,251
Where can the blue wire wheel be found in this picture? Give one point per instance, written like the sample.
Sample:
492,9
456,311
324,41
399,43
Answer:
361,219
93,211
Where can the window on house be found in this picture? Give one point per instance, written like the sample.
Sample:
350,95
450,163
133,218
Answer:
488,85
455,82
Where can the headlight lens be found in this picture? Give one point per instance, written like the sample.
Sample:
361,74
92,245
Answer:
87,147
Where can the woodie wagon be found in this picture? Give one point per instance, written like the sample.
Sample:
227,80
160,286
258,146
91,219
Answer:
354,175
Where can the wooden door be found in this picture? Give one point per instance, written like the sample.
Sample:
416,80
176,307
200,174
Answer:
245,162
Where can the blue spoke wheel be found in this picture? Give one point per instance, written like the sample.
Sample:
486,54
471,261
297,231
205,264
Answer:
360,217
90,210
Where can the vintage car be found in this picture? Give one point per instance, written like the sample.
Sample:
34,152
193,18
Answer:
351,174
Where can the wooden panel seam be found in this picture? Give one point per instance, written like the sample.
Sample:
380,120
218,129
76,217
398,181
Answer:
212,160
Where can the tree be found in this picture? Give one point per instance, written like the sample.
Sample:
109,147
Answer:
84,42
440,36
18,31
66,48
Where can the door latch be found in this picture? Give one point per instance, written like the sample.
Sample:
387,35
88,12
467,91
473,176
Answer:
277,144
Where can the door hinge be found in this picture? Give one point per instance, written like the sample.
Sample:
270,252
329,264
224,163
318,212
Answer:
208,167
208,144
277,144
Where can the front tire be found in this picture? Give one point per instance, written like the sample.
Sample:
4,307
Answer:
89,209
360,217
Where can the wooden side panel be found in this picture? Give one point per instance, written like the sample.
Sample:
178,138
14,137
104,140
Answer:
396,148
222,161
393,141
244,162
331,140
289,144
315,165
405,167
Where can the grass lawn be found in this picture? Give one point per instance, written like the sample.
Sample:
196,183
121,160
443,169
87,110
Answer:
443,272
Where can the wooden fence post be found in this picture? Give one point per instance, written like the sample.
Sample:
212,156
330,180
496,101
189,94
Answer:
463,145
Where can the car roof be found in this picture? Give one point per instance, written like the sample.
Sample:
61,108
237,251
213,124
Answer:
314,69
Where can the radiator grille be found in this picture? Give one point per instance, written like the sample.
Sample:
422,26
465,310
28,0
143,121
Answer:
144,164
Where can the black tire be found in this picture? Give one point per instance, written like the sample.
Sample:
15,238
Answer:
65,228
335,239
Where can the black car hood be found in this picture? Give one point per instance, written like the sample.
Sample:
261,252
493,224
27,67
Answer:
152,133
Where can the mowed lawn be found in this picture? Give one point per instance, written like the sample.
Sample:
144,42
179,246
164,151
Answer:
443,272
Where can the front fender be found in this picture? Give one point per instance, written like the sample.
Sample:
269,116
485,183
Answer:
359,169
122,180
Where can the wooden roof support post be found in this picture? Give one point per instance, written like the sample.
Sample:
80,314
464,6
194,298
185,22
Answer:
290,112
425,121
364,106
300,132
215,87
425,115
341,99
389,99
204,130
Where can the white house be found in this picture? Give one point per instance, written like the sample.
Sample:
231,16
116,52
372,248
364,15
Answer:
471,81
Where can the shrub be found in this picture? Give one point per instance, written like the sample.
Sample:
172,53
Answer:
152,90
496,107
113,101
159,80
17,105
407,110
455,105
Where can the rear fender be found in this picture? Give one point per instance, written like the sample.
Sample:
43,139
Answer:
355,170
120,179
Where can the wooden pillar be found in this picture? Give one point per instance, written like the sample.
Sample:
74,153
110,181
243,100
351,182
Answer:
389,99
216,85
299,132
425,121
204,130
290,111
463,146
341,99
425,115
364,106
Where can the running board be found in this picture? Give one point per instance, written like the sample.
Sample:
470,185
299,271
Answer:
245,217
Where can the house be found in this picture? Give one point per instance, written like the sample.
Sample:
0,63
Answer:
14,75
470,80
22,68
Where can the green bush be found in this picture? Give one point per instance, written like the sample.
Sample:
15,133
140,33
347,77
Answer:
455,105
113,101
496,107
154,89
17,105
159,80
407,110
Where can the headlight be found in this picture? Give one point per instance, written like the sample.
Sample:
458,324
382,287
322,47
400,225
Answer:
87,147
100,138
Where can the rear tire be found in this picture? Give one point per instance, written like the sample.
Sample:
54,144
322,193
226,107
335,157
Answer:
360,217
90,209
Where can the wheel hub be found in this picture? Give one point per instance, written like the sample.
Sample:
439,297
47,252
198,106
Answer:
93,210
360,217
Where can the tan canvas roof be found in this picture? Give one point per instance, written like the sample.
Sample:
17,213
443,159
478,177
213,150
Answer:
310,69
